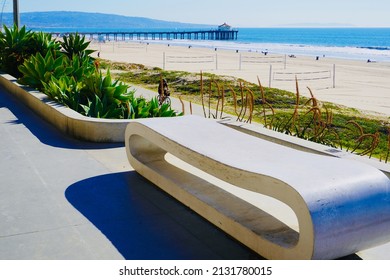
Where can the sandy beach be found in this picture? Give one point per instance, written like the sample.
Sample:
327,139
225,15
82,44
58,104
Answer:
357,84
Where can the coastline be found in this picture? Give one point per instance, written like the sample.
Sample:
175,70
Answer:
352,83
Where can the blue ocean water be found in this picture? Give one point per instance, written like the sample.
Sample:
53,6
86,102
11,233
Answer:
330,37
347,43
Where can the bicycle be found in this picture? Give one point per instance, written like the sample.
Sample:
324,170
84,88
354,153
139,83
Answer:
163,93
163,99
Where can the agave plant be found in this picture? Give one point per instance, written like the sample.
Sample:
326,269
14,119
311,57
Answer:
106,98
43,43
80,67
102,86
141,108
38,70
103,108
65,90
75,44
14,48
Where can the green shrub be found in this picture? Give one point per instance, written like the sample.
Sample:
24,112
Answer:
103,108
65,90
141,108
75,45
14,48
18,45
106,98
43,43
104,86
38,70
80,67
67,74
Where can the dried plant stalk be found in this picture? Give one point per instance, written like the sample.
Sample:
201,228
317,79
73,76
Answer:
218,99
252,107
388,145
209,102
244,105
234,99
182,105
296,113
250,104
201,93
242,101
265,103
358,126
374,143
223,101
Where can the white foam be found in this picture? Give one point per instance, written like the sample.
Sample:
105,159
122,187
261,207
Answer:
289,49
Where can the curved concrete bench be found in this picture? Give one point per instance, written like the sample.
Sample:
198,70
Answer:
342,206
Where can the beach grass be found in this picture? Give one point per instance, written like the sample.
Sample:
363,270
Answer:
284,111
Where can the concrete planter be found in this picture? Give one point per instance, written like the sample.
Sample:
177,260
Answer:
63,118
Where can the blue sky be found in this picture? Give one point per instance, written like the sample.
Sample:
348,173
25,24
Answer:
239,13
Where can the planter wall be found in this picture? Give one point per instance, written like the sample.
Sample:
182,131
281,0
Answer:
63,118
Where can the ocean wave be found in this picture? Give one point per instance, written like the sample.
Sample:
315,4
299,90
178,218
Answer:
376,48
355,53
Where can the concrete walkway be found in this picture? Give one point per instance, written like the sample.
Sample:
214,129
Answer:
65,199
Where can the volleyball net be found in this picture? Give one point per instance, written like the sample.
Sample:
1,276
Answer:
207,60
283,76
262,59
302,76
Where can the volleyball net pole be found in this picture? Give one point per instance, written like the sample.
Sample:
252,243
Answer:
334,75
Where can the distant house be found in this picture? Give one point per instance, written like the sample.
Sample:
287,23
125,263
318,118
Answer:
224,27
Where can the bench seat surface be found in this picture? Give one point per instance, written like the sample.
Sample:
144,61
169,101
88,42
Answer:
342,206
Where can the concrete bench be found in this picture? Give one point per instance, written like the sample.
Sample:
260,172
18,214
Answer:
341,206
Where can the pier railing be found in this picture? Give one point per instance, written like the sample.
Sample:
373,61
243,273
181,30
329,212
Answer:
159,35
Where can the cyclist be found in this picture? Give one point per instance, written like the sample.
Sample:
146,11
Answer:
163,92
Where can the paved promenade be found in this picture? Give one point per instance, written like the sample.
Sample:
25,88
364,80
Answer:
65,199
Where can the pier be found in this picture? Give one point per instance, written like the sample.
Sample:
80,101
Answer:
160,35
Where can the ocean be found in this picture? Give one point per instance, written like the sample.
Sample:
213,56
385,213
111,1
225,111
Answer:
345,43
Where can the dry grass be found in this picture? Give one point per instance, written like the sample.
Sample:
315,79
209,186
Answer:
289,113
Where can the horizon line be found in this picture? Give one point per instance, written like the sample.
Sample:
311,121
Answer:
289,25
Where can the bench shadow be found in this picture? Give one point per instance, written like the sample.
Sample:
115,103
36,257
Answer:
144,223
